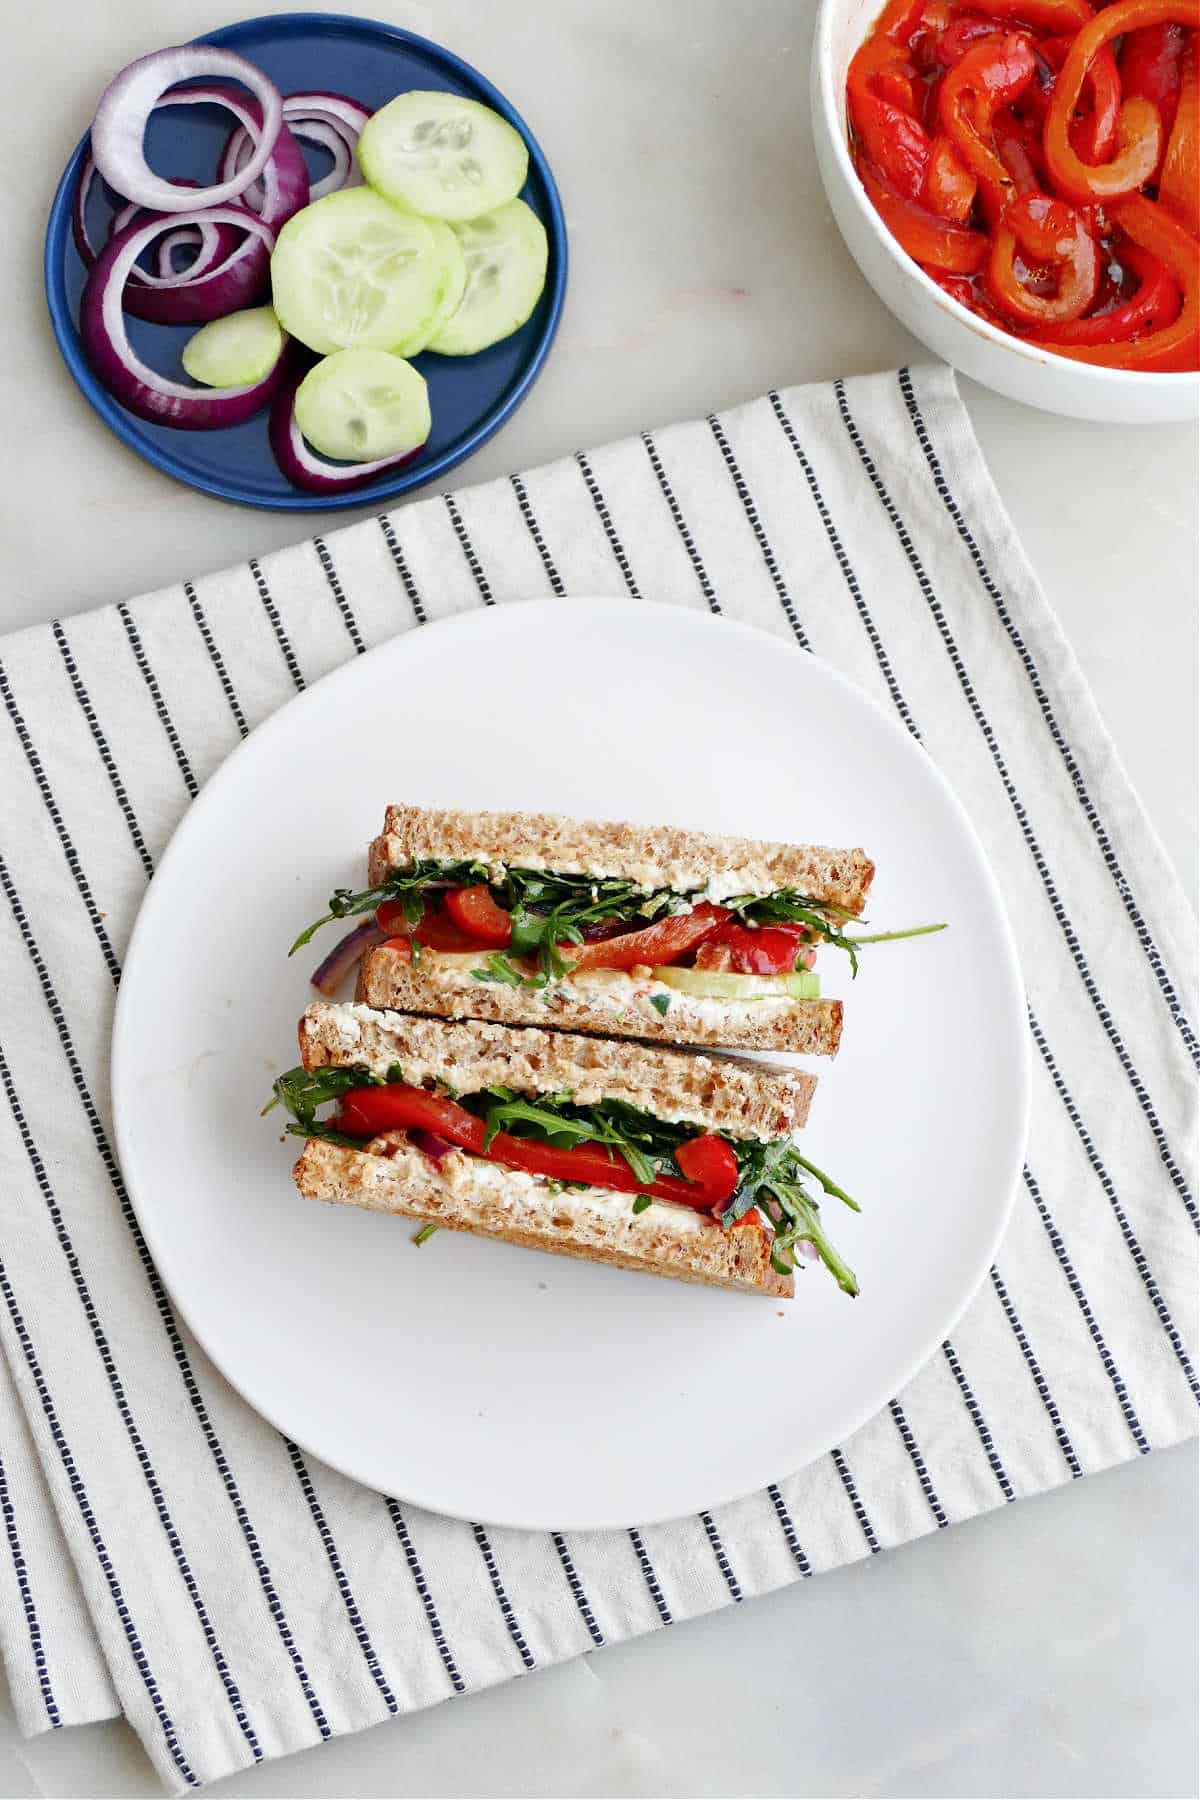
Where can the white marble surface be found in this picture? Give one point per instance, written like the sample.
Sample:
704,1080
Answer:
1049,1649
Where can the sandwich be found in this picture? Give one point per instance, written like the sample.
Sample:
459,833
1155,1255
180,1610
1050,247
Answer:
648,932
663,1161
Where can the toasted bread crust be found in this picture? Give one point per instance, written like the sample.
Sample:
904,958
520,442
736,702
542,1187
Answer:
653,856
746,1100
621,1007
466,1194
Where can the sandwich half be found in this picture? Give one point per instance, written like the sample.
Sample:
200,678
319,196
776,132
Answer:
654,1160
649,932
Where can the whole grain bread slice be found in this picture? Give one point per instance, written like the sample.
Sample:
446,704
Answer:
465,1194
742,1099
652,856
611,1002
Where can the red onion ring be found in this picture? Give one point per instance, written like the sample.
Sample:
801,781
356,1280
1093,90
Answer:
235,281
79,230
331,112
201,238
106,343
119,128
217,245
240,278
344,172
302,466
316,131
127,214
329,975
338,109
430,1144
213,243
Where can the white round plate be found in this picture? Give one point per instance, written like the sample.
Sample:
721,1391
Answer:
490,1382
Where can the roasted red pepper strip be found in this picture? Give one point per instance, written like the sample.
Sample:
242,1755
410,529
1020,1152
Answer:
897,143
599,1167
1179,182
435,932
959,287
1019,148
950,187
881,69
1151,69
991,75
961,35
930,115
1095,135
1093,132
897,22
1177,346
476,913
365,1112
1139,125
935,19
664,942
926,238
1058,17
710,1162
1155,305
1048,232
753,950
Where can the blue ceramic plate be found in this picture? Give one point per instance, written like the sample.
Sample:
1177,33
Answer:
470,396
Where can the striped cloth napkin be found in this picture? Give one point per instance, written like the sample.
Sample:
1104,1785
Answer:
170,1556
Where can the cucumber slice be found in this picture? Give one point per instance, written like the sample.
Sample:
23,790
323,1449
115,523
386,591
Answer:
357,405
505,253
449,248
241,348
442,156
715,984
352,272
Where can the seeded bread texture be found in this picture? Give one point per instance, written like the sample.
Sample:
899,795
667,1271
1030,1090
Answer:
611,1002
743,1099
654,856
466,1194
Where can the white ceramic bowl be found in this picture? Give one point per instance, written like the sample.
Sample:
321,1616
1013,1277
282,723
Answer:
1055,383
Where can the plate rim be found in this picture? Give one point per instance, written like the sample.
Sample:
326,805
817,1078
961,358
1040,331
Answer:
127,428
465,624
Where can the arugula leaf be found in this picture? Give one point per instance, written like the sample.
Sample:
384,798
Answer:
528,930
829,1186
329,1134
889,937
301,1091
500,967
771,1177
552,1126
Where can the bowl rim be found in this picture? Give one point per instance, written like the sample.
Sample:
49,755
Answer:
1130,380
